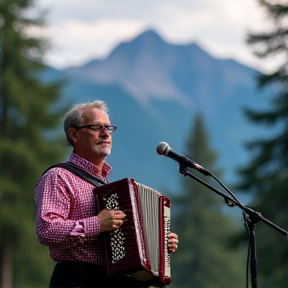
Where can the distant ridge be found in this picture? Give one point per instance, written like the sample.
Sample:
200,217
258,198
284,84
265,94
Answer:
149,68
153,90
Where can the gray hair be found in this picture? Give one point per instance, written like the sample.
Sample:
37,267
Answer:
73,117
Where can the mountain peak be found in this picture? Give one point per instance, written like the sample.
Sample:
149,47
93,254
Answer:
148,35
149,68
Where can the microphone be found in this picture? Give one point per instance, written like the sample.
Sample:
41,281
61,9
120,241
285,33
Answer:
164,149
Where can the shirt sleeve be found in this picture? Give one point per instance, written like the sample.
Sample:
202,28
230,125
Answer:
53,204
85,227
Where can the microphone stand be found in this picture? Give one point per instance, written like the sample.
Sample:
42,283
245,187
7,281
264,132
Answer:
252,219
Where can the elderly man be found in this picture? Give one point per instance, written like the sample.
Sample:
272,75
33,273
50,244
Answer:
66,219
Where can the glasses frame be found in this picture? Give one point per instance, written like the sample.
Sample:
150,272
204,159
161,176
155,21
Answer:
98,128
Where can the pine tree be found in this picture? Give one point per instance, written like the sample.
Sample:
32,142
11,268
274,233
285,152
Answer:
204,258
265,177
29,115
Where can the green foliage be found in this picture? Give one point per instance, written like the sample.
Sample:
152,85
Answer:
265,177
28,143
204,257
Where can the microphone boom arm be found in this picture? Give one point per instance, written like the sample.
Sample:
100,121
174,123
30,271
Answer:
231,202
250,221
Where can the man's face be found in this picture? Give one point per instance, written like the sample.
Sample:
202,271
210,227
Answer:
90,144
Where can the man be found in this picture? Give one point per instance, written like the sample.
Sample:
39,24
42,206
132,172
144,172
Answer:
65,204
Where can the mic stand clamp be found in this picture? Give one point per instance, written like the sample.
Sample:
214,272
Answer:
183,169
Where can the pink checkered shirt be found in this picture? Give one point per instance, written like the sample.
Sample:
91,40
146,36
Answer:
66,218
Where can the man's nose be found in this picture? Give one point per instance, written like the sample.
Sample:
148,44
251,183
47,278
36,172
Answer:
104,133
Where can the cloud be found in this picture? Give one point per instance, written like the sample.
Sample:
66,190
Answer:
81,30
77,42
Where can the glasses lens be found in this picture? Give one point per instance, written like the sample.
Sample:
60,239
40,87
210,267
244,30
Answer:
111,129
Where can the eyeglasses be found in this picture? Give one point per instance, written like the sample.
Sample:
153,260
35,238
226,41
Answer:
109,128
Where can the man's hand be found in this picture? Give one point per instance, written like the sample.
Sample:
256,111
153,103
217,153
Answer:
172,241
111,220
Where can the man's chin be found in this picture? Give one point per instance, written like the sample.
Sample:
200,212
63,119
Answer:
104,152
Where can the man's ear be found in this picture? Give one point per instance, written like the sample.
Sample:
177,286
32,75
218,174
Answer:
73,134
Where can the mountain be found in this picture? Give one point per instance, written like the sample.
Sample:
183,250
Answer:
153,90
149,68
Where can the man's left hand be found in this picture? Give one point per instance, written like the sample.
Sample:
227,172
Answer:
172,241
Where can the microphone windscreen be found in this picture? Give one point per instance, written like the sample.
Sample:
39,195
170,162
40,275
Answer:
163,148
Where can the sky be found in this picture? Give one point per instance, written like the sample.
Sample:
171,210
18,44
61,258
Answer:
84,30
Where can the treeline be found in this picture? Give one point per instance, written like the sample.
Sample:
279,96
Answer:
28,117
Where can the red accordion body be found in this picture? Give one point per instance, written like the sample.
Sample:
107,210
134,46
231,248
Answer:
140,247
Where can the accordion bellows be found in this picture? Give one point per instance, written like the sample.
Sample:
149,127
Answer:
139,248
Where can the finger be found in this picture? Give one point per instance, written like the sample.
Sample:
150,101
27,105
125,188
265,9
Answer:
173,240
173,247
119,216
172,235
117,224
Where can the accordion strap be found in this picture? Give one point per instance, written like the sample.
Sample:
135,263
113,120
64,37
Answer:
79,172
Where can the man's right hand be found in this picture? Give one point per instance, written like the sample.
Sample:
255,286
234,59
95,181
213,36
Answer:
111,220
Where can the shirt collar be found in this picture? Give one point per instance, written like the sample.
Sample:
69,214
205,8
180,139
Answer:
90,167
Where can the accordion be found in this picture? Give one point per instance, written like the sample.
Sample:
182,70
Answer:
139,248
